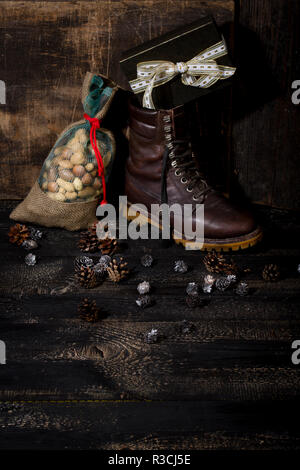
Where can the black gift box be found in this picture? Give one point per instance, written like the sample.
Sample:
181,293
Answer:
180,45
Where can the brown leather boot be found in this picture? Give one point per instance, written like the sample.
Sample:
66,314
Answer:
161,168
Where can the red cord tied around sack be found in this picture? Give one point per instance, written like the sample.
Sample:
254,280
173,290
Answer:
95,124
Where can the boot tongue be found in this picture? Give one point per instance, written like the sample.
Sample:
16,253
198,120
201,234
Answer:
174,130
180,131
179,124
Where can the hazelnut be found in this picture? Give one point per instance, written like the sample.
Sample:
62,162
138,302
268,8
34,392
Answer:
52,187
89,166
87,179
78,170
66,175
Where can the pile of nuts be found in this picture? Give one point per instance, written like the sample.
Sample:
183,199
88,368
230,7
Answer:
72,175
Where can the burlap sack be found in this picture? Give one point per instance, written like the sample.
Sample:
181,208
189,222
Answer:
69,187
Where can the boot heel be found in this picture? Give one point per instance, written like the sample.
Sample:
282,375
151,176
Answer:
189,245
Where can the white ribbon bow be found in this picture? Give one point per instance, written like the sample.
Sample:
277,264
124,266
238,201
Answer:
202,71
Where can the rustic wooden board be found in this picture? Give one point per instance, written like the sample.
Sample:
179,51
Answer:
61,41
117,364
206,425
228,384
266,126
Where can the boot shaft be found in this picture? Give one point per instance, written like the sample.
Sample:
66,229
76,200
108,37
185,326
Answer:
151,132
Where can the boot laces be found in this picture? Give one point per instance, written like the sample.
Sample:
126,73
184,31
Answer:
184,162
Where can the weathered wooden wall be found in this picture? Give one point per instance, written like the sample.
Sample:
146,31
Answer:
46,48
266,138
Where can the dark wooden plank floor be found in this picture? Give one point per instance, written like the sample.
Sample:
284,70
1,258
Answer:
228,384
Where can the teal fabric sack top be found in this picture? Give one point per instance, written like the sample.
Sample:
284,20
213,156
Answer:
73,178
98,95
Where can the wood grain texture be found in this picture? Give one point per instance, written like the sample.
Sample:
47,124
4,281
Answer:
227,384
46,49
62,40
265,133
175,425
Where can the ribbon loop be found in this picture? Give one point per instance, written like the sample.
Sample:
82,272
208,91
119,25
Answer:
201,71
95,125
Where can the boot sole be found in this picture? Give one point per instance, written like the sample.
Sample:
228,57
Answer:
210,244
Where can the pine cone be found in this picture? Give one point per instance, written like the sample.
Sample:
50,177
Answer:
89,242
271,272
18,234
216,263
88,311
86,277
100,272
117,270
108,246
84,261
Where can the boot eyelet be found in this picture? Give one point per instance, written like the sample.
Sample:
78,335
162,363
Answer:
183,180
174,163
189,190
196,198
167,128
177,172
167,118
